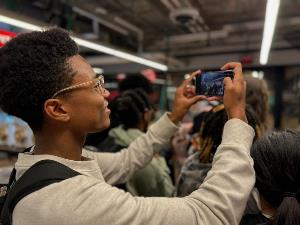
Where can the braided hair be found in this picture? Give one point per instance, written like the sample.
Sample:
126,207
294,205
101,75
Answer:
209,136
129,108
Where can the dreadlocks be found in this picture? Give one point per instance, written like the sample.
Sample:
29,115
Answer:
209,136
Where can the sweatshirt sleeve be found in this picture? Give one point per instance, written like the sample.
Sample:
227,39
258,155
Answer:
221,199
118,167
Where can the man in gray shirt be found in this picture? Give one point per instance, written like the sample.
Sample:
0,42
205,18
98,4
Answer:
45,82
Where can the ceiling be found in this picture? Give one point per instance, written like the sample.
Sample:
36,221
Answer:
175,32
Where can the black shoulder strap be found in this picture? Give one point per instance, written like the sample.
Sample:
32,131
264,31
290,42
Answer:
40,175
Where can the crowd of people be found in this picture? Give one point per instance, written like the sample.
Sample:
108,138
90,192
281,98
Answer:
237,170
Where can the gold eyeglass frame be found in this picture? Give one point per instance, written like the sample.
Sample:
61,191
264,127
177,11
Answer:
99,83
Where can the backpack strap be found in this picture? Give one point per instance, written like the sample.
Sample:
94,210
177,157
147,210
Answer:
40,175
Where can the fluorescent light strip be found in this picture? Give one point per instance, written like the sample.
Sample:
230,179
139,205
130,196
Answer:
120,54
91,45
269,28
19,23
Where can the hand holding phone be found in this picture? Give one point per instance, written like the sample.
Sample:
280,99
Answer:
211,83
184,100
235,91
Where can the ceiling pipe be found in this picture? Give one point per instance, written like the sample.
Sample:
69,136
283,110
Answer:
257,25
203,36
168,4
110,60
130,26
100,20
100,10
176,3
222,34
122,22
24,23
187,3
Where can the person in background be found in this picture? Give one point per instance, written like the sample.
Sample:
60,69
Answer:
257,96
95,140
181,141
133,110
204,144
7,161
136,81
45,82
276,200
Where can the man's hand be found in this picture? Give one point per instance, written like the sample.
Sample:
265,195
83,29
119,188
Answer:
184,99
235,92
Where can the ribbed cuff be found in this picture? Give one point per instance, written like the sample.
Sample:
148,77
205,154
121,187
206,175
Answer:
238,132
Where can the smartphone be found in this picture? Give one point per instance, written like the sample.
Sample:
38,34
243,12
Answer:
210,83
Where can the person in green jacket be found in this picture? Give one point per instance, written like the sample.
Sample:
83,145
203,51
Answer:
134,112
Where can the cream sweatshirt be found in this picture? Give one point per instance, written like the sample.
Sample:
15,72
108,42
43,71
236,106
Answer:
89,199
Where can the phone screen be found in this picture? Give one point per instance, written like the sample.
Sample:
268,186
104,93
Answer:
211,83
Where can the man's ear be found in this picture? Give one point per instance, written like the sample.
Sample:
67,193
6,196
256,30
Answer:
56,110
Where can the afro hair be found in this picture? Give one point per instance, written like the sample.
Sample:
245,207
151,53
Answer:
33,67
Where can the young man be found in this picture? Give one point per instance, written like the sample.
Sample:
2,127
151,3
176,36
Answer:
46,83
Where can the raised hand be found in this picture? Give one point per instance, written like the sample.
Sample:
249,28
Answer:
184,98
235,92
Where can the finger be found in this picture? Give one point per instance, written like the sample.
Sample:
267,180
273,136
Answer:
189,91
189,94
192,91
237,68
214,98
232,65
197,98
190,88
187,81
227,83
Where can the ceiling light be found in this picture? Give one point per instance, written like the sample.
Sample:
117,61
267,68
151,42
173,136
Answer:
269,28
89,44
120,54
19,23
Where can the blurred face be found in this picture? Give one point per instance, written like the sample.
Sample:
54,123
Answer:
86,104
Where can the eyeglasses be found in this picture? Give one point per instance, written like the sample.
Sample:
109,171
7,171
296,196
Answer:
99,86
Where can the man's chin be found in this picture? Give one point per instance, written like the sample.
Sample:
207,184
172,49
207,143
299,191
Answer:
103,127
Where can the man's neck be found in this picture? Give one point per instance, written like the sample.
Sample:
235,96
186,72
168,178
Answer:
61,144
